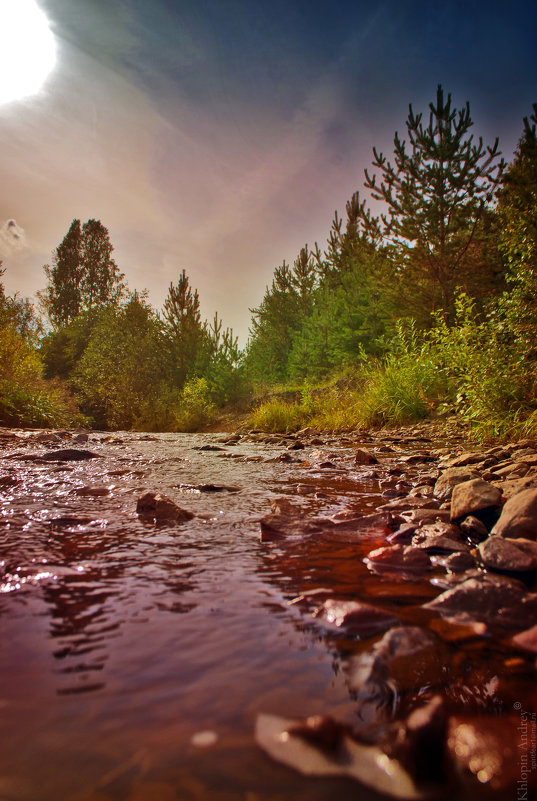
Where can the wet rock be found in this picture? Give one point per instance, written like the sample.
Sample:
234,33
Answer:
458,562
519,516
527,640
355,618
463,459
208,448
422,491
489,599
418,458
158,507
403,535
405,658
417,742
94,492
473,529
208,487
511,556
425,515
407,504
512,486
286,520
307,432
362,456
487,752
450,478
439,543
81,438
473,496
322,747
511,470
296,446
61,455
398,557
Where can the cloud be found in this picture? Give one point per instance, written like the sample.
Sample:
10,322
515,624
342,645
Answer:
12,238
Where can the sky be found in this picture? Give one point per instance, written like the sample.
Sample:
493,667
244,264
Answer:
219,137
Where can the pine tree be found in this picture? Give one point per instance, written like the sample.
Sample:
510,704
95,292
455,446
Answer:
437,193
517,208
184,330
83,274
63,295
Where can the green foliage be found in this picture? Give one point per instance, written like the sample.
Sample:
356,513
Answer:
120,375
436,195
184,332
26,399
83,274
195,407
277,415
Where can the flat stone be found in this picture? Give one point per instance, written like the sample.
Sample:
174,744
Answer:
439,543
519,516
473,496
463,459
499,553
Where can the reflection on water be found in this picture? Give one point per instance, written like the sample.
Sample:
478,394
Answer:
136,656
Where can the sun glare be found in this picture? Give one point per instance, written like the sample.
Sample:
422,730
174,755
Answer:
27,49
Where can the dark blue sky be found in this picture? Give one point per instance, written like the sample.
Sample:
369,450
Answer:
220,137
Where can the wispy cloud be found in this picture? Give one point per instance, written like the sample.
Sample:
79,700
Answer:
12,238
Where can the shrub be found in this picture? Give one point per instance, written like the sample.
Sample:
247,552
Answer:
195,407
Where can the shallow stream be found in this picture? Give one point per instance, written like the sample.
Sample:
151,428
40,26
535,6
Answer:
135,657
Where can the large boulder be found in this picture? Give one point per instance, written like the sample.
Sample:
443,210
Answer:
519,516
473,496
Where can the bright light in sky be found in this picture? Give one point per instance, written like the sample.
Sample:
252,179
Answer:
27,49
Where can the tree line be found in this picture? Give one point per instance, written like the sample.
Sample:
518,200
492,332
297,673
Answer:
448,267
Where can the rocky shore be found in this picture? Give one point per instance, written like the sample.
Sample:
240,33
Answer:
433,716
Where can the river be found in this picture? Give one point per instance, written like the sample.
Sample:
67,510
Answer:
136,656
